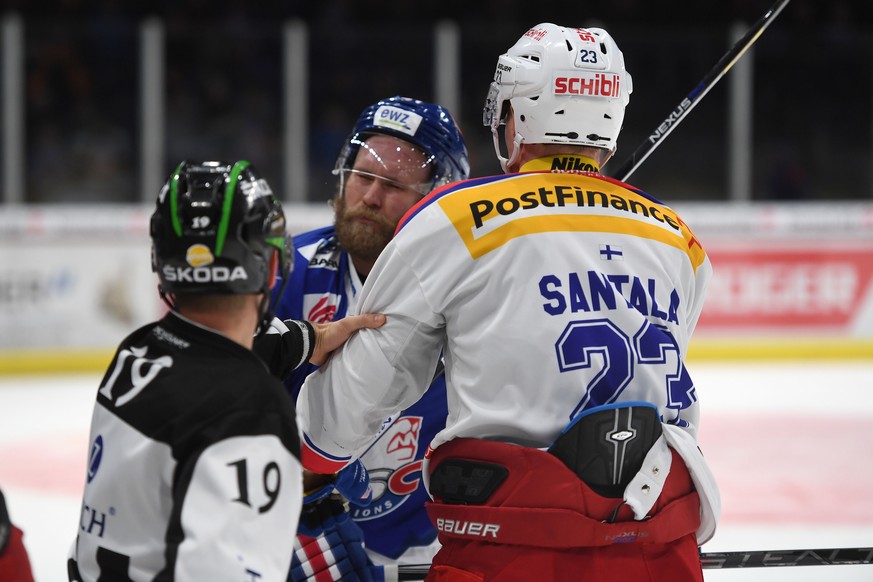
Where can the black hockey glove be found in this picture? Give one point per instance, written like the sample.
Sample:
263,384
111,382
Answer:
5,525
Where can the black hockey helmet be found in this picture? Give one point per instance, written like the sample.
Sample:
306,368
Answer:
215,229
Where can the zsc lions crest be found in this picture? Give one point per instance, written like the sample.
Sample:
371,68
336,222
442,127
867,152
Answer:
395,472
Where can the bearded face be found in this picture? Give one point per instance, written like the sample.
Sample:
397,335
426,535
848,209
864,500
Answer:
387,178
362,231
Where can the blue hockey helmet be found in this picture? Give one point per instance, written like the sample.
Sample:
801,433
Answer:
215,229
428,126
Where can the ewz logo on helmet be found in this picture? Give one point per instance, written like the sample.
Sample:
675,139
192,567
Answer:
397,119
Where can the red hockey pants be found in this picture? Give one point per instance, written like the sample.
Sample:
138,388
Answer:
14,564
544,524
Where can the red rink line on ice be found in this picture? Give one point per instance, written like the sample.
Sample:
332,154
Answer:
791,469
52,463
770,469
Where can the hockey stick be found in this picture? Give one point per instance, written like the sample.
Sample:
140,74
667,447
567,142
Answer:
762,558
740,559
692,99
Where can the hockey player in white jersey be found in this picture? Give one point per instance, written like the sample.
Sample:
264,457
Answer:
194,472
564,302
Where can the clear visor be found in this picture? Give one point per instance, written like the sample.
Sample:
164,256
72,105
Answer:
362,178
496,110
393,161
287,256
277,236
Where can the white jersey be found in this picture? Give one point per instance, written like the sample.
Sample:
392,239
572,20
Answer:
549,293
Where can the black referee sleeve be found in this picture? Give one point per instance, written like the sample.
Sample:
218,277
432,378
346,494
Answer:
286,345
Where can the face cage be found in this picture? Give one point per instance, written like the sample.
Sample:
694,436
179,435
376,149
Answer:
272,295
286,258
494,115
491,110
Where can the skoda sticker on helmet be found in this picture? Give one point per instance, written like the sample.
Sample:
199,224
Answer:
204,274
200,257
397,119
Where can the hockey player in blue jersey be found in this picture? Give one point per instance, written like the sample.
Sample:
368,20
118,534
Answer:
398,151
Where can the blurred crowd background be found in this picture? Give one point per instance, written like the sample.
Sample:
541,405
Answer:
812,100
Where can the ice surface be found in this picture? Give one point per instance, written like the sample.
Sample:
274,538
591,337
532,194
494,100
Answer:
789,441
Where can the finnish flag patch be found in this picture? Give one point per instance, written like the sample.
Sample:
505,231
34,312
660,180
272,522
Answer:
611,253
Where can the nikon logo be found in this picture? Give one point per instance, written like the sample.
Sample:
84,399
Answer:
204,274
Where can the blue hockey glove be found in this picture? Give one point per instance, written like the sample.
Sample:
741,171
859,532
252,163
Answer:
330,546
352,482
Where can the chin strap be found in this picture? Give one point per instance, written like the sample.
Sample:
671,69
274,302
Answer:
265,312
167,298
504,162
269,298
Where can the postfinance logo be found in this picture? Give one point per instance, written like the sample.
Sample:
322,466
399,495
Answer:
488,215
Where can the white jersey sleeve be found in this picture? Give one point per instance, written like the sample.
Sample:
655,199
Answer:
398,361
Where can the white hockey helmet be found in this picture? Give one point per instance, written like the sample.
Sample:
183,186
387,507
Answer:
565,85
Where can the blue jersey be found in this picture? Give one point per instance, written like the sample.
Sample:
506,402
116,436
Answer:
323,287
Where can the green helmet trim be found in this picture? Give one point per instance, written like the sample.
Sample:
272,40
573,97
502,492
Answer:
279,243
174,201
229,190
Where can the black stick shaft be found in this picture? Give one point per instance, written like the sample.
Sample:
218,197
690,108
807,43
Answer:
688,103
740,559
766,558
